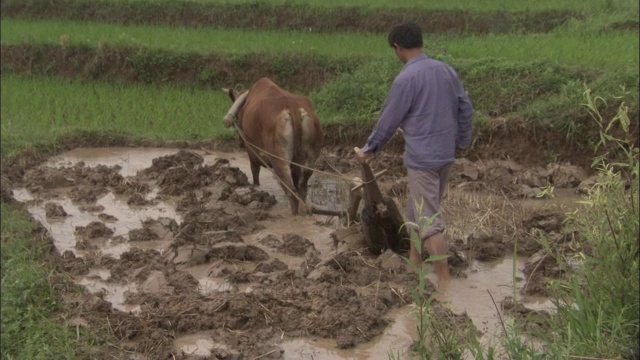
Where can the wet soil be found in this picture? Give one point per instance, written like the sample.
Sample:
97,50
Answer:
210,266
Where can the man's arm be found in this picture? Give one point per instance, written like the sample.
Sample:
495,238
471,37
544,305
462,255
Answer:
465,116
396,106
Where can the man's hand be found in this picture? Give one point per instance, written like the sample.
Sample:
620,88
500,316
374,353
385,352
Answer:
361,156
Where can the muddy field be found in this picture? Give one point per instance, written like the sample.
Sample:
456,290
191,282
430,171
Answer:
181,258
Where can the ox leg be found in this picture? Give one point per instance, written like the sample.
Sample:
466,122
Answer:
283,173
302,187
295,177
255,171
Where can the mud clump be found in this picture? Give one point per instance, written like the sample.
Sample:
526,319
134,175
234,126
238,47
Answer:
512,179
139,200
159,229
295,245
179,180
86,194
486,247
107,217
93,230
235,251
534,323
88,237
184,158
92,208
199,225
143,234
274,265
254,200
6,194
547,223
53,210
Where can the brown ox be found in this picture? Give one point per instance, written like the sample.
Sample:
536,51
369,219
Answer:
279,129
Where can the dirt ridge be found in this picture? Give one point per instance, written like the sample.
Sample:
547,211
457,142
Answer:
289,17
303,72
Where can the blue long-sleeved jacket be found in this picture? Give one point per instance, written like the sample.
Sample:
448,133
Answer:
427,101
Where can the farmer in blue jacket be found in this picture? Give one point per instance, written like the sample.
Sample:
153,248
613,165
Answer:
427,101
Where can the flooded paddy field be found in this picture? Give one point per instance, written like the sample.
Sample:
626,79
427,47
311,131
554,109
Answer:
181,257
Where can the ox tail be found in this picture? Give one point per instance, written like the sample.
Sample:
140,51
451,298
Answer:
287,134
230,118
308,137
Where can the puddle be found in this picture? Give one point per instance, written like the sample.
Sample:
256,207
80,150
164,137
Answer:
62,230
481,293
131,160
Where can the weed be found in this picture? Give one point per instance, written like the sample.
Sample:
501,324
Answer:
598,309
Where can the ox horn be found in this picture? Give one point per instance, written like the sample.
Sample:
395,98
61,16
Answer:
230,118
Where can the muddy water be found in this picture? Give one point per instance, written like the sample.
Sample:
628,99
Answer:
468,295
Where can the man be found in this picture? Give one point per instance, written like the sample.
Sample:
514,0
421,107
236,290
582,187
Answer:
427,101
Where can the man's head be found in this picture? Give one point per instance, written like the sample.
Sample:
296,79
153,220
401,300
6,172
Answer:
406,39
407,35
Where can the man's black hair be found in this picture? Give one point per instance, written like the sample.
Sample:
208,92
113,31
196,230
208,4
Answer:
407,35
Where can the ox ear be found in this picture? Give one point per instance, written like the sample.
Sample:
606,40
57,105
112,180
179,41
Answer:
231,93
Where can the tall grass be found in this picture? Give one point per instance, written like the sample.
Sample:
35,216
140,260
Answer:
42,109
588,49
598,301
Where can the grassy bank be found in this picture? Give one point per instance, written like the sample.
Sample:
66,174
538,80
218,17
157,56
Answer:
30,294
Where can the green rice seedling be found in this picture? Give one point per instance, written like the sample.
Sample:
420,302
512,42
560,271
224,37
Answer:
35,110
560,47
196,40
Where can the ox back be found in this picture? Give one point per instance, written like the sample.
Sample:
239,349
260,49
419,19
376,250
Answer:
280,129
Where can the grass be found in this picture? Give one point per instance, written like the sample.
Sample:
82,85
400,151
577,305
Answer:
578,48
28,295
485,5
36,110
602,317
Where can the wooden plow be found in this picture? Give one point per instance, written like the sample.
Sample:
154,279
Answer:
381,221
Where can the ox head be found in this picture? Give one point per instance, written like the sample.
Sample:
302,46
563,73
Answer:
238,100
